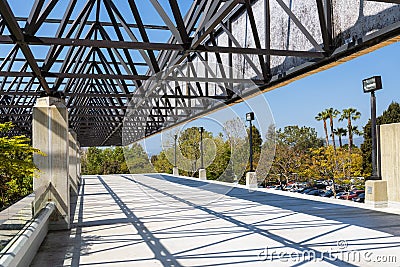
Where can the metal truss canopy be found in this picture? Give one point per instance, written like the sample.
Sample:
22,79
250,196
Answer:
99,54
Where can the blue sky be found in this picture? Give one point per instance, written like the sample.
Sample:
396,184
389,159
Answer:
339,87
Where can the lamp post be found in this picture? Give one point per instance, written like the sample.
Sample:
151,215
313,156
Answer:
175,138
371,85
202,171
250,118
201,148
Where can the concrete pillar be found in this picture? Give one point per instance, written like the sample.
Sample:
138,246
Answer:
376,194
202,174
389,136
251,180
50,135
73,162
175,171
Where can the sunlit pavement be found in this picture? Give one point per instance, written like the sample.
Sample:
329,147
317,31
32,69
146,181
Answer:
155,220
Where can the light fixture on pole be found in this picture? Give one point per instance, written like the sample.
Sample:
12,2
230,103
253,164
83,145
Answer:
201,148
371,85
175,137
250,118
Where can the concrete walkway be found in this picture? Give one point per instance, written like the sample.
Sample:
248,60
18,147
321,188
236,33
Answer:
160,220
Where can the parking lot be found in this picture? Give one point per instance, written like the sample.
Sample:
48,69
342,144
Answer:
324,189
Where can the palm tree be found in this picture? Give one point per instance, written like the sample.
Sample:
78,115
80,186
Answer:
340,132
350,114
323,116
355,131
332,113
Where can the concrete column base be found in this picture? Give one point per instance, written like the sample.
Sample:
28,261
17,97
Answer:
376,193
251,180
175,171
202,174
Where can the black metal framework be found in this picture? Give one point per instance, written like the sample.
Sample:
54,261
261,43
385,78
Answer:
98,53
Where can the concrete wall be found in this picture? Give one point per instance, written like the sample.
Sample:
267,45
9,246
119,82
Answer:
390,160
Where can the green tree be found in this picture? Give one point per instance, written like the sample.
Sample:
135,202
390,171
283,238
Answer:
130,159
109,162
136,159
355,131
332,113
256,146
340,132
216,155
267,155
119,157
239,147
324,116
218,169
337,165
302,138
17,167
92,161
292,155
161,163
350,115
189,145
288,160
390,115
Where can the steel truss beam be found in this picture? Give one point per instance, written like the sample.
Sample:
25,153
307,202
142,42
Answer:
160,46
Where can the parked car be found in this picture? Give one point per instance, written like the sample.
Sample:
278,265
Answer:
360,198
308,190
288,187
279,187
320,185
302,189
327,193
316,192
338,195
352,194
291,188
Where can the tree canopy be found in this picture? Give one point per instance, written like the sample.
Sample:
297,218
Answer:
116,160
293,144
17,167
390,115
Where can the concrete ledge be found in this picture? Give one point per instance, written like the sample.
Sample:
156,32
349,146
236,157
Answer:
394,204
21,250
376,204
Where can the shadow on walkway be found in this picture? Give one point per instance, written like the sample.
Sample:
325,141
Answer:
380,221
